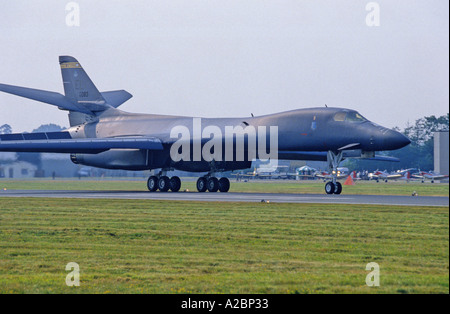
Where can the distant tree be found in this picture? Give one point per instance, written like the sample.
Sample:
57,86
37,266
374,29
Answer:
5,129
424,128
420,153
48,128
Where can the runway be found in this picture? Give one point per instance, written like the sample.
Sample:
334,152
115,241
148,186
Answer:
237,197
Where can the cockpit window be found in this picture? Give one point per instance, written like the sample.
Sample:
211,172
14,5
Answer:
349,116
340,116
353,116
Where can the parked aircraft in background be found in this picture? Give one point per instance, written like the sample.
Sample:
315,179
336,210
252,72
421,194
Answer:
384,175
404,174
265,172
84,172
100,135
431,175
341,173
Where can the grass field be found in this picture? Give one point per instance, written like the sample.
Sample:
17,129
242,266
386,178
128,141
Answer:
134,246
258,186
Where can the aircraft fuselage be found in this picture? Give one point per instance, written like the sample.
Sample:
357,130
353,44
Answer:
308,130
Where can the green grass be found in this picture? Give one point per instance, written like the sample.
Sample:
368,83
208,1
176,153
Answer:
257,186
134,246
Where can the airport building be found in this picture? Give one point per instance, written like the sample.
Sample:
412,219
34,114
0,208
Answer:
17,170
441,152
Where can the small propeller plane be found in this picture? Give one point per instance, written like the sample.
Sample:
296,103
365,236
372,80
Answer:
431,175
404,174
385,176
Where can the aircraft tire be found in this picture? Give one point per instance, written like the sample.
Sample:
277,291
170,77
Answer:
152,183
338,188
329,188
175,184
201,184
212,184
224,185
164,184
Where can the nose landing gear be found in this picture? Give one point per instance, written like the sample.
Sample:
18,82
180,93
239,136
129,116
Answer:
333,160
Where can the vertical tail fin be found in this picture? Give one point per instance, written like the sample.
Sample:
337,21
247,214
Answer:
77,84
79,88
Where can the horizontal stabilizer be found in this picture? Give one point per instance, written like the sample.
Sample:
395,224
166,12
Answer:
51,98
116,98
61,142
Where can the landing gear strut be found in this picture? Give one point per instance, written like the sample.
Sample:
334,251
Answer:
333,160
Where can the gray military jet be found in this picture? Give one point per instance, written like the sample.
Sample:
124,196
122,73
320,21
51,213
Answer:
100,135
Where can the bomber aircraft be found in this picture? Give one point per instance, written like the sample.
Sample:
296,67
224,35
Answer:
100,135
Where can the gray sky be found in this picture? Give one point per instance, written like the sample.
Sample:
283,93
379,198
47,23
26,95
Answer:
232,57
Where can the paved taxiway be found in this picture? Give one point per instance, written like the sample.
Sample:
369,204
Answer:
238,197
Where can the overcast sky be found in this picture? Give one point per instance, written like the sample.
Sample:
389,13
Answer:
232,58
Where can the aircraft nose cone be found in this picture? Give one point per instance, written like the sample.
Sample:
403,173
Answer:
396,140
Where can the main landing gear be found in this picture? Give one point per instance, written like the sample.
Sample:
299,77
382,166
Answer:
333,160
163,183
209,183
212,184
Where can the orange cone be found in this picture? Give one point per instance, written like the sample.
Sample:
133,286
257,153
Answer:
349,181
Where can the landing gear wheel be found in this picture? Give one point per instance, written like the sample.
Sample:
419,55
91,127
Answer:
224,185
330,188
175,184
152,183
338,188
201,184
212,184
164,184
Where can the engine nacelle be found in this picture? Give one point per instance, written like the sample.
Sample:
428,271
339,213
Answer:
126,159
